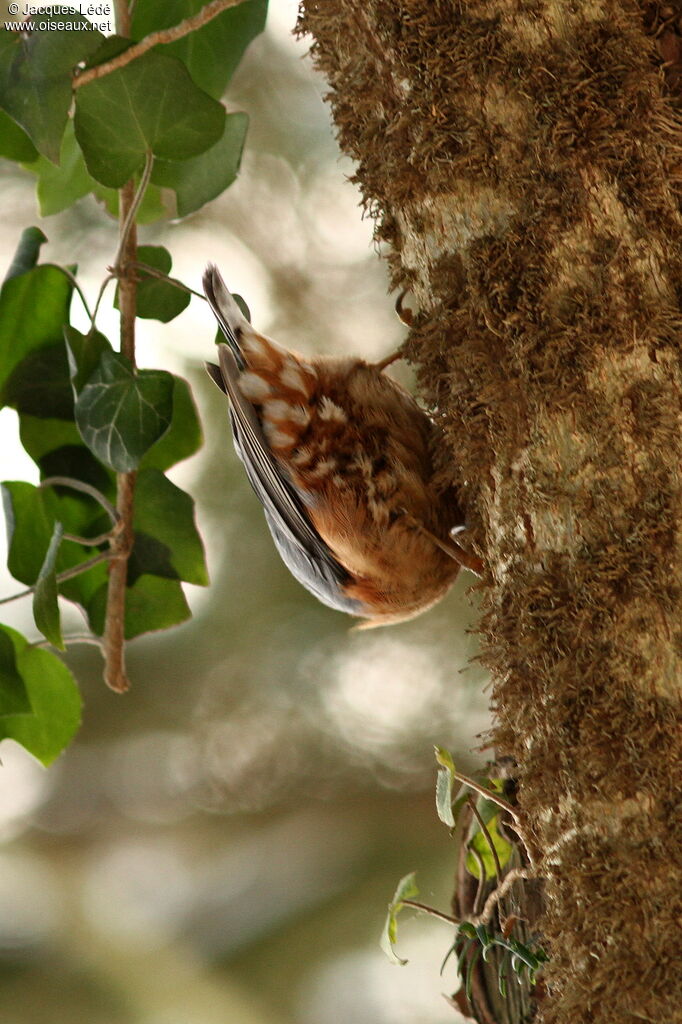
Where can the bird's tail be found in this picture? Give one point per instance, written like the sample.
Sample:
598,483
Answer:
228,314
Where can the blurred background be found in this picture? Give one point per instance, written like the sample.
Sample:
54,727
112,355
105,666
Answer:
220,844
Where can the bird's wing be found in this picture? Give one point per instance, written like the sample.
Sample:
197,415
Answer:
308,557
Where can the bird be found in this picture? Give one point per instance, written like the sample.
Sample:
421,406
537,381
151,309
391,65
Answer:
340,456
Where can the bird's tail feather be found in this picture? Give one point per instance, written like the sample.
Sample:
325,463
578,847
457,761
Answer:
226,310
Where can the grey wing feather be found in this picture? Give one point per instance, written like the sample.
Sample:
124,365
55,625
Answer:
302,549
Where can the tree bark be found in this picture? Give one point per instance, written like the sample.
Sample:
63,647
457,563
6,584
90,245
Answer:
522,161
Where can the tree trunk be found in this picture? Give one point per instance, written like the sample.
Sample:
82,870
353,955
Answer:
522,161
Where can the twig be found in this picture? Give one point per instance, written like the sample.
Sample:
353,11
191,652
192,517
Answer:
488,838
131,213
122,541
88,542
515,875
100,296
154,272
80,485
84,638
166,35
431,910
489,794
67,574
72,278
481,878
518,825
114,625
127,286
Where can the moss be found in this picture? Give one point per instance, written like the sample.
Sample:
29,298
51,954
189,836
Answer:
522,163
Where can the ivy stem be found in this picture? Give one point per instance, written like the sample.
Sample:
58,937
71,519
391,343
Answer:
72,278
68,574
128,219
81,485
165,35
431,910
100,296
153,272
69,641
122,536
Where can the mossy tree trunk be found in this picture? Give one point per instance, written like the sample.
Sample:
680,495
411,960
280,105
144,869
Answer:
524,165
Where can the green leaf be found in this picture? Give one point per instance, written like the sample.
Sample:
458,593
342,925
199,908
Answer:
120,414
444,783
57,448
27,252
156,203
54,699
39,436
183,438
157,299
39,385
14,699
407,889
152,603
60,186
33,309
35,76
45,604
29,529
31,513
211,53
84,353
167,542
110,48
152,104
480,843
202,178
14,142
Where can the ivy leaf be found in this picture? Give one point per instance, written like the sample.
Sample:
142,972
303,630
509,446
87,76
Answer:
27,252
60,186
14,142
120,414
167,542
157,299
183,438
212,52
54,699
29,529
151,104
33,309
202,178
39,386
156,203
407,889
14,699
58,450
84,352
36,68
152,603
31,513
45,604
39,437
